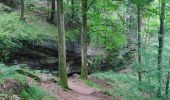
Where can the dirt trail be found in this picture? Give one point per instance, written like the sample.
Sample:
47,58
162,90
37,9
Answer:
79,87
77,91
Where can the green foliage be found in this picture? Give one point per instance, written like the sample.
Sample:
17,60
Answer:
32,92
36,93
32,29
73,35
103,35
10,73
91,84
4,8
35,6
141,2
96,62
106,29
149,65
125,85
13,31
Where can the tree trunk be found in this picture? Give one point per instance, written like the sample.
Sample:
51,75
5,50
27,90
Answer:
161,43
139,43
84,70
52,10
61,45
22,9
72,4
48,13
167,83
132,25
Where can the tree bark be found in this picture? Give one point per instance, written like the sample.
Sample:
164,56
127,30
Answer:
73,8
52,10
61,45
22,9
139,42
48,13
167,83
84,71
161,43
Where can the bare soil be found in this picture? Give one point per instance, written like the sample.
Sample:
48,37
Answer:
78,90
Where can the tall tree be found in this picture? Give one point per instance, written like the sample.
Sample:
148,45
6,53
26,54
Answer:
22,9
139,41
48,5
140,4
84,71
72,8
52,10
167,83
61,45
161,43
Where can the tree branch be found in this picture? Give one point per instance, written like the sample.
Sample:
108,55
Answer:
90,4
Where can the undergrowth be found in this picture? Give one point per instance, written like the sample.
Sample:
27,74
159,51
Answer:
30,92
125,85
33,29
36,93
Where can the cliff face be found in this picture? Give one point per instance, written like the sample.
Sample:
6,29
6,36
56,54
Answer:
45,55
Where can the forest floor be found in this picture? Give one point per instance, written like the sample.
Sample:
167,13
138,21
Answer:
78,90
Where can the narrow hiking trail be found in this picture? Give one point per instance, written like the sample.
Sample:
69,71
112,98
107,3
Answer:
77,91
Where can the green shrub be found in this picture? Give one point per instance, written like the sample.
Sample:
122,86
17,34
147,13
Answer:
36,93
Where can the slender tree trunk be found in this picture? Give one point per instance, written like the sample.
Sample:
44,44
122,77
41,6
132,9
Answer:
61,45
150,93
48,5
167,83
52,10
139,43
161,43
84,71
132,28
22,9
73,8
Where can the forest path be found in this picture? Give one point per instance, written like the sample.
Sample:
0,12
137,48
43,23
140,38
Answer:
79,87
78,90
